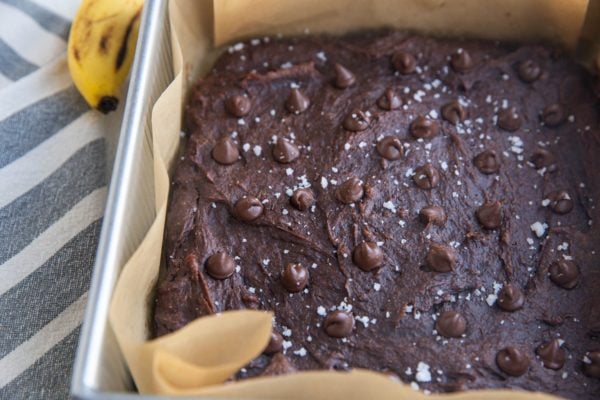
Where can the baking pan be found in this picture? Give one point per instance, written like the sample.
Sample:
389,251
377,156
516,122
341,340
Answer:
99,371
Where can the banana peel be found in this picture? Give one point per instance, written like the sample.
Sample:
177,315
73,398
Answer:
101,48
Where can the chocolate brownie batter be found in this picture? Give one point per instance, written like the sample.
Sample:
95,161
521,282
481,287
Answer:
421,207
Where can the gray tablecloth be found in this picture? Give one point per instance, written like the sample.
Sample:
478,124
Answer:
52,194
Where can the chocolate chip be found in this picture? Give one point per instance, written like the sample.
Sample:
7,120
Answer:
284,151
529,71
551,354
440,258
275,343
297,102
390,148
389,100
339,324
509,119
350,191
424,128
294,277
368,256
220,265
564,273
512,361
489,214
404,62
560,202
343,77
510,298
591,364
433,215
542,158
248,208
554,115
487,162
225,151
238,106
454,112
357,121
461,61
426,177
302,199
451,324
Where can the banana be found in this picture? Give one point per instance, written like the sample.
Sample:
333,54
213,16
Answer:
101,49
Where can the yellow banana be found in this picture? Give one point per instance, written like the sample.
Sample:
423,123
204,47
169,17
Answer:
101,48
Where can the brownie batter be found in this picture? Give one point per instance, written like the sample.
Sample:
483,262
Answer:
421,207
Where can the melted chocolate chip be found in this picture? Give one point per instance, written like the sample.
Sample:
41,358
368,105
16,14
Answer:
426,177
297,102
509,119
220,265
564,273
275,343
512,361
404,62
389,100
487,162
302,199
238,106
451,324
343,77
279,365
225,151
424,128
454,112
339,324
529,71
489,214
551,354
294,277
440,258
554,115
368,256
591,364
350,191
510,298
461,61
357,121
433,215
284,151
560,202
542,158
390,148
248,209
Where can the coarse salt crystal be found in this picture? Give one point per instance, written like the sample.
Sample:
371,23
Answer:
423,374
539,228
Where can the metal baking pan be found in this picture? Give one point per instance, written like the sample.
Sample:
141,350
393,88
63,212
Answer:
100,371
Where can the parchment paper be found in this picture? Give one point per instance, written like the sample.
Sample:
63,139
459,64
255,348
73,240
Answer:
200,357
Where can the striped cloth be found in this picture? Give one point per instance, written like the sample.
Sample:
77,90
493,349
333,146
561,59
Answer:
52,195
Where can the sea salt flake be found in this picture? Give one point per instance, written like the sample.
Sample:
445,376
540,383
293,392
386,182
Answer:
539,228
324,182
321,311
300,352
423,374
491,299
377,286
257,150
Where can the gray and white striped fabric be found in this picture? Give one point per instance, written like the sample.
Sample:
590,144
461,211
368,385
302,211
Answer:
52,194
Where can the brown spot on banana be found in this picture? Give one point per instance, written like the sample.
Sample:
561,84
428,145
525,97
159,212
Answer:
123,49
76,54
105,40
